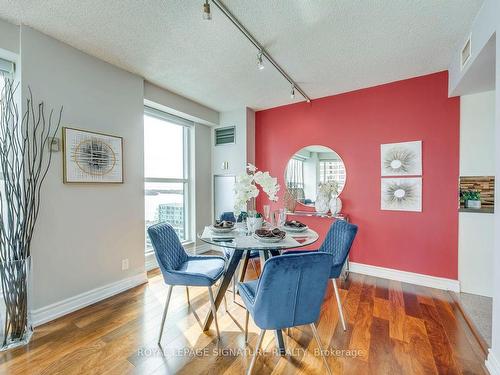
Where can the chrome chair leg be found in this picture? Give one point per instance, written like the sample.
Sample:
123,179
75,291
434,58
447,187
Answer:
169,294
187,295
256,352
339,304
234,283
246,327
214,310
318,341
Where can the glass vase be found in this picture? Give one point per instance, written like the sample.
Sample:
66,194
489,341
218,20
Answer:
16,326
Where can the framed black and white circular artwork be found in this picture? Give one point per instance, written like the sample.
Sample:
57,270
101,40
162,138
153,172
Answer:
91,157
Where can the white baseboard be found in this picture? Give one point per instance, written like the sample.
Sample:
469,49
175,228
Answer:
58,309
492,364
407,277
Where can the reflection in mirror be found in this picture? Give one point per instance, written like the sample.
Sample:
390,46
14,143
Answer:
311,166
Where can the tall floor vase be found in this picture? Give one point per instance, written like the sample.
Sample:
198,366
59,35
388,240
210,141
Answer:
25,158
15,303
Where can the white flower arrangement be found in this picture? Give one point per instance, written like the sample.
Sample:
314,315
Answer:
329,188
246,189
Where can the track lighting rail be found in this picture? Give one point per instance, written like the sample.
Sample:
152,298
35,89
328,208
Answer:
259,47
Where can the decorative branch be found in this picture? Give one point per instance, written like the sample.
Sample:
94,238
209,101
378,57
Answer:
24,165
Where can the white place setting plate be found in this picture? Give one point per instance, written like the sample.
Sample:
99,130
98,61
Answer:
222,230
268,239
295,229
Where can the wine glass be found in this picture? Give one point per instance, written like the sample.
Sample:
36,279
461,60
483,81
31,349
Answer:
267,212
281,217
275,219
250,221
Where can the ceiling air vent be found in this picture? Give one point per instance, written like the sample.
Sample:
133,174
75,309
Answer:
224,136
466,53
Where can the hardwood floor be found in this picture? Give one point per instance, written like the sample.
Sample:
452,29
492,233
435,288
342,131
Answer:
394,328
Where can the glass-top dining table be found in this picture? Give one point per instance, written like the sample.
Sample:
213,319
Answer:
243,242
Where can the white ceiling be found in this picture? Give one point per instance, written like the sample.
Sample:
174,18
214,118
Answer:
327,46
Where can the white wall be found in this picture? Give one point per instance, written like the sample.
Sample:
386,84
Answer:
203,178
311,171
476,230
477,127
484,26
9,40
179,105
493,362
250,136
84,231
235,154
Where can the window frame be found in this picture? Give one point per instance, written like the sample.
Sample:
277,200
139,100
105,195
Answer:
323,170
187,179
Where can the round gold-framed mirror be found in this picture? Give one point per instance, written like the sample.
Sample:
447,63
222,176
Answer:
311,166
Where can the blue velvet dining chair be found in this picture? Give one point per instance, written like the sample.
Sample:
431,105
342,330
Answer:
338,243
289,293
180,268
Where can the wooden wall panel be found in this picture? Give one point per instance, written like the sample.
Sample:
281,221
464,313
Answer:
485,185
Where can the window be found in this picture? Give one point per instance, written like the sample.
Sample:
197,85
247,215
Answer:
6,67
166,169
295,174
332,170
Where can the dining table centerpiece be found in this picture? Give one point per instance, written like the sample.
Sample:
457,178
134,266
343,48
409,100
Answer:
246,189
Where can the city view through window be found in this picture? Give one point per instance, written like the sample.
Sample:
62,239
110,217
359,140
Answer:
166,175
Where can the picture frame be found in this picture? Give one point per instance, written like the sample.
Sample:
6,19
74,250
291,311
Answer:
401,159
401,194
91,157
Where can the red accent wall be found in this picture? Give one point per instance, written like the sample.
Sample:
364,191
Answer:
354,125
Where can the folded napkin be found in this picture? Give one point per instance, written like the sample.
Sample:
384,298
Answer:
223,224
275,233
294,224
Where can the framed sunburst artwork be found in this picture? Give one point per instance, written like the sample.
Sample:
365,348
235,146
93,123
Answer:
91,157
401,159
401,194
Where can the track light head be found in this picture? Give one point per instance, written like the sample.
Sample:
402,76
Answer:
260,62
206,11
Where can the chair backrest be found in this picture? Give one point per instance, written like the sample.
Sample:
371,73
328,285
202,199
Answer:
229,216
168,249
291,290
339,240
